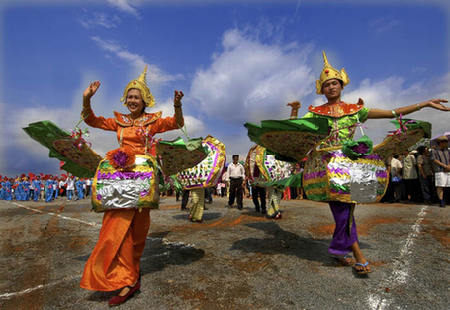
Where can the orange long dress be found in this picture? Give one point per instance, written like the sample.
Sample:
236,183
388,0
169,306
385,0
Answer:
114,262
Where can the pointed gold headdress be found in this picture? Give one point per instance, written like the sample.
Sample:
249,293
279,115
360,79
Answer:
141,84
329,73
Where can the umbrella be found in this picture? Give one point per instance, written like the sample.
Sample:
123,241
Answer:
433,140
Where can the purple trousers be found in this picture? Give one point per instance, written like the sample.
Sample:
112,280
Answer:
344,234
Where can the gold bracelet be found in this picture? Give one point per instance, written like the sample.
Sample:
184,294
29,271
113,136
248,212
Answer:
395,114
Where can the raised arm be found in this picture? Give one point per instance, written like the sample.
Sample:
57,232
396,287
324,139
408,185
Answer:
177,107
88,115
433,103
88,93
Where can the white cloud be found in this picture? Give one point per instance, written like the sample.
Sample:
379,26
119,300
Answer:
66,117
154,75
126,6
391,93
194,126
294,2
250,81
99,19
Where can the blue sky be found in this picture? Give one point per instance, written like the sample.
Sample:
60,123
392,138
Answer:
236,61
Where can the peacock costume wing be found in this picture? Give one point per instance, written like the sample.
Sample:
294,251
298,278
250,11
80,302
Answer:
178,155
408,132
290,139
79,159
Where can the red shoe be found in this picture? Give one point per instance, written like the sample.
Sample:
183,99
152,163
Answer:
117,300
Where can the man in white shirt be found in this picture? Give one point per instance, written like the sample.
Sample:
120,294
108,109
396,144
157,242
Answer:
236,175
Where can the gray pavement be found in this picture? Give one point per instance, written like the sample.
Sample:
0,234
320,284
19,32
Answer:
233,260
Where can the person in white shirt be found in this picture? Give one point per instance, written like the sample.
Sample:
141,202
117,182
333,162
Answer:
236,174
62,186
410,177
396,179
88,187
226,181
70,187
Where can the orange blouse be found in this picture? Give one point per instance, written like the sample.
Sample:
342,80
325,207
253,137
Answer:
134,133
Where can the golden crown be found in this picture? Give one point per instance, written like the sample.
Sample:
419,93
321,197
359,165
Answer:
141,84
329,73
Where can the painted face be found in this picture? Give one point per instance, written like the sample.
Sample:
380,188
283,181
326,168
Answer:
135,104
332,89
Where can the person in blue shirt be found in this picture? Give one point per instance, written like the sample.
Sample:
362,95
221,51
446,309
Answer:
56,186
2,188
48,189
79,186
8,190
26,188
18,191
37,188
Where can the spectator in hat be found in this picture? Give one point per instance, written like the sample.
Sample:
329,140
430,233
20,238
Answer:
441,160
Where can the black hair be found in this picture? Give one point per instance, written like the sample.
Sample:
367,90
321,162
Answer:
340,82
421,149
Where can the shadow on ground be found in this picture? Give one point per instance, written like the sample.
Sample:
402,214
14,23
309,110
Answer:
207,216
281,241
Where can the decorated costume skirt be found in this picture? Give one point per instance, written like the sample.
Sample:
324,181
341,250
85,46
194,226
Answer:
135,188
333,176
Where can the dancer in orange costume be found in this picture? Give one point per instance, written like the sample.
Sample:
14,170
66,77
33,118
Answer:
114,262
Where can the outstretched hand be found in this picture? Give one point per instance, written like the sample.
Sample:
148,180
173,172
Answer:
177,98
91,90
294,105
437,104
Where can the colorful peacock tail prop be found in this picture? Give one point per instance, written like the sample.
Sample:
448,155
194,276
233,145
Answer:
207,172
264,169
